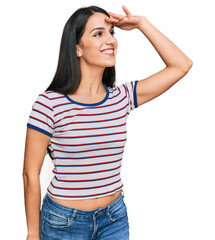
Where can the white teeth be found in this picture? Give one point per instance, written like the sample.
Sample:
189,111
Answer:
108,51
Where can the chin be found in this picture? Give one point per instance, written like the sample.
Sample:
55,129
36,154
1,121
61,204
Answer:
110,64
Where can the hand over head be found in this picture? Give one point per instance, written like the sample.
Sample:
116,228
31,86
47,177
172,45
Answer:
127,22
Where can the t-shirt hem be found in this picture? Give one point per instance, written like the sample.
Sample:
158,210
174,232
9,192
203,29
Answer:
81,197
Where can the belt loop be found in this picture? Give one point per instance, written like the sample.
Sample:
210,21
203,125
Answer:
122,193
107,212
74,213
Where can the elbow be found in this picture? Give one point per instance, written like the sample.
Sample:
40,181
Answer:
24,175
187,66
25,178
183,68
29,178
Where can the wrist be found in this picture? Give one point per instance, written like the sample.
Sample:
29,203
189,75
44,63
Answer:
33,236
141,22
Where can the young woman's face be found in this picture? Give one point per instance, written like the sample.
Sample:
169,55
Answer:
98,45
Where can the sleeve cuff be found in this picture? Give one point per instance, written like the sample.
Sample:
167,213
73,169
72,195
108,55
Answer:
39,129
135,94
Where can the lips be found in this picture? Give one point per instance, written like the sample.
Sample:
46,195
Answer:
108,51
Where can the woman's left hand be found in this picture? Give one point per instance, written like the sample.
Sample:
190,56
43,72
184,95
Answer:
127,22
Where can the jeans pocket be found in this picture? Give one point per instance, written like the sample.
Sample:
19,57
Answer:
118,212
54,218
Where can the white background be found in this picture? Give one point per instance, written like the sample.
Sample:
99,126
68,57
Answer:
168,164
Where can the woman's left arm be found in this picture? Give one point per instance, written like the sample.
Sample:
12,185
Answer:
177,63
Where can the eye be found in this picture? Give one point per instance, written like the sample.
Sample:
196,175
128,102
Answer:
97,34
100,33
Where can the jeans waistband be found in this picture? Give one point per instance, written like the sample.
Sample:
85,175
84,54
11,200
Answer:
74,211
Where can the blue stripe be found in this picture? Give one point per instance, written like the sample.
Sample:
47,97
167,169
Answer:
39,129
90,104
135,94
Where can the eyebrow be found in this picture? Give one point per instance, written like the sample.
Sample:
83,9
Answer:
112,27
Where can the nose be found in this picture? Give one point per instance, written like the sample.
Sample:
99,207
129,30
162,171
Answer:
110,39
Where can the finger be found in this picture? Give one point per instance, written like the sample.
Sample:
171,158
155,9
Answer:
126,10
111,20
117,16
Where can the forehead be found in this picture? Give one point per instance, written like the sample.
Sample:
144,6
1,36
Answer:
97,20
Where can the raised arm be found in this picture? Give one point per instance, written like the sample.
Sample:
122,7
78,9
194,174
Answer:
177,63
35,150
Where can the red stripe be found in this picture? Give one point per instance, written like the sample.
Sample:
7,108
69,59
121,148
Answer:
108,119
93,156
97,114
36,110
110,169
41,121
43,95
94,135
86,165
85,187
77,108
83,144
94,149
100,127
87,180
44,105
95,128
85,195
54,98
58,105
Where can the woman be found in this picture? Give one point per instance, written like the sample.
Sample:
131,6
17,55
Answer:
81,120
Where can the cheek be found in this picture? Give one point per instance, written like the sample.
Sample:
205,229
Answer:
92,49
116,46
116,43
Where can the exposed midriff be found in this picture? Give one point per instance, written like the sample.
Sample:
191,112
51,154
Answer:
89,204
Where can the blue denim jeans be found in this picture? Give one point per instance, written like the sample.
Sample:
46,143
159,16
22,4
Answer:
58,222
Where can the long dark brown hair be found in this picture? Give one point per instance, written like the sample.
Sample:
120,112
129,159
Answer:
68,75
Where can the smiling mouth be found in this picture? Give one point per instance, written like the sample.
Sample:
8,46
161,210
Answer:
108,52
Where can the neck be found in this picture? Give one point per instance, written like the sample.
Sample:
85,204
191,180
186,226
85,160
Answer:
91,80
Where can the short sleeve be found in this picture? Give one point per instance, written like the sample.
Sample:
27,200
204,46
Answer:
41,117
129,88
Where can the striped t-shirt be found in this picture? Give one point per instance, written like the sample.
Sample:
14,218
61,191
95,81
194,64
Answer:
87,140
